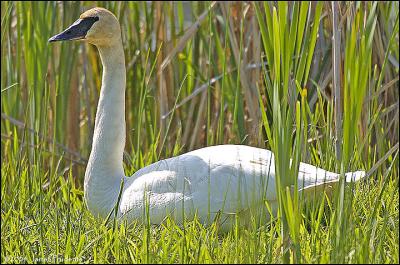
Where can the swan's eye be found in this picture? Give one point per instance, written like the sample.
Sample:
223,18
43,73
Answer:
92,20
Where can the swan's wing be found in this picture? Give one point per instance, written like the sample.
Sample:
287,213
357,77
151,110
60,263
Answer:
230,190
315,181
310,176
156,194
166,187
208,180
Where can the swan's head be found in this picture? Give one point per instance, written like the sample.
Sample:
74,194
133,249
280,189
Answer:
97,26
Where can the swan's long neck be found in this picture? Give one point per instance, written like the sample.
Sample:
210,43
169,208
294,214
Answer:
104,170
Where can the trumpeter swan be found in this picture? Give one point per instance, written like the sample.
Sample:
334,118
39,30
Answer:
218,179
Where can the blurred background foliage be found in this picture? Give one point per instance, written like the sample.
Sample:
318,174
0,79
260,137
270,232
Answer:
195,75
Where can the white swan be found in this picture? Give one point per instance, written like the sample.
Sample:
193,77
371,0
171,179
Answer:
224,178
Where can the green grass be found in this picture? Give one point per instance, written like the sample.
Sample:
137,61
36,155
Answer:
263,74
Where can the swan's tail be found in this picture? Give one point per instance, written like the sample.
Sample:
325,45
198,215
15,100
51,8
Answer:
354,176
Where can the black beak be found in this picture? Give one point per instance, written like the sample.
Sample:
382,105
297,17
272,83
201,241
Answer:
76,31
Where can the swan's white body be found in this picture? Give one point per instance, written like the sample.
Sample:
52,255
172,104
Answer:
225,178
